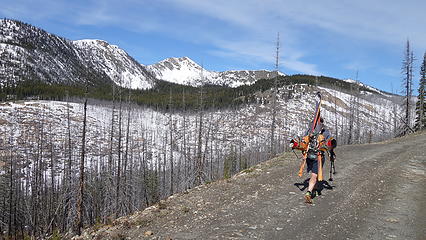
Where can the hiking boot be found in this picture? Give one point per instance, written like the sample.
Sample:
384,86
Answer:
308,197
315,193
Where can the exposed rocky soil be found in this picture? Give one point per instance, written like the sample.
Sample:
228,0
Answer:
378,193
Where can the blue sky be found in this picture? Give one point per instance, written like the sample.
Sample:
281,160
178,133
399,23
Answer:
332,38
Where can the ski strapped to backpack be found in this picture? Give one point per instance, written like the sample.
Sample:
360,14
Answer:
314,143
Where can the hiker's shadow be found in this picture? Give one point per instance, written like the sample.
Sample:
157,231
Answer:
321,185
302,186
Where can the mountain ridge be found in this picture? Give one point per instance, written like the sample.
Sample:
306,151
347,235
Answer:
31,53
53,59
183,70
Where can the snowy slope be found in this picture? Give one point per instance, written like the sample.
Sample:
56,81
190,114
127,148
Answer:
363,85
182,71
115,63
248,126
30,53
185,71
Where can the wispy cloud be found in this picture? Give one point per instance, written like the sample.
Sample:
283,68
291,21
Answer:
301,67
96,15
380,22
357,66
392,72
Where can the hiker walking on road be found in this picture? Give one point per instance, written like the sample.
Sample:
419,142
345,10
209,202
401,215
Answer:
312,159
316,142
313,145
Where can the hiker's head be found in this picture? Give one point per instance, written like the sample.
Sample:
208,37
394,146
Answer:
321,120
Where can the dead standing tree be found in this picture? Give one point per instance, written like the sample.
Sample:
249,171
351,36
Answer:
407,71
80,199
357,131
67,171
119,150
199,163
274,101
127,193
171,143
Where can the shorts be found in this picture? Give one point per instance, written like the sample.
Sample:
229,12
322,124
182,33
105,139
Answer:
313,165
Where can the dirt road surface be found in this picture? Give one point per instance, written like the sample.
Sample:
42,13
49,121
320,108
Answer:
378,193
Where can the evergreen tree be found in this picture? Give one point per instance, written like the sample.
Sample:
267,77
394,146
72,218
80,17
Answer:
421,104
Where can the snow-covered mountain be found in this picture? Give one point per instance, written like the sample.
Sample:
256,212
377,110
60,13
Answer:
180,70
30,53
115,63
185,71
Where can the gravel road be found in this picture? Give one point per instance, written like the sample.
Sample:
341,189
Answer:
377,193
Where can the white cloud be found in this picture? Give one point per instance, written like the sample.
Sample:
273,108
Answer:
380,22
392,72
301,67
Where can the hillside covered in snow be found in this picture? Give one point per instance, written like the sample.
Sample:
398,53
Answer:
187,72
32,54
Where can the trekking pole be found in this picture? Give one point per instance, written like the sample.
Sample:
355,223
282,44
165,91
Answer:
295,154
331,167
334,168
302,166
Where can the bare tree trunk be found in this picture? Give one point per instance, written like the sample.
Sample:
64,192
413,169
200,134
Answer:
199,165
185,158
357,110
351,118
37,173
111,163
67,181
118,195
10,190
79,222
274,100
407,68
171,144
164,189
335,116
52,180
126,153
144,167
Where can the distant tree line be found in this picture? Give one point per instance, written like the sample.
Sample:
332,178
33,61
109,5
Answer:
166,94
